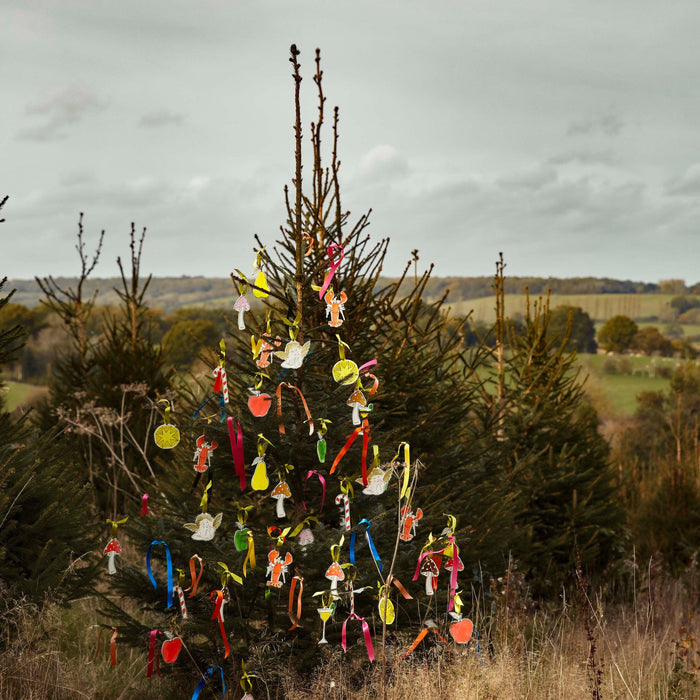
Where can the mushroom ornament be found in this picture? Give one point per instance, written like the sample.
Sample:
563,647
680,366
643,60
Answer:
335,573
111,550
279,493
242,305
429,569
357,402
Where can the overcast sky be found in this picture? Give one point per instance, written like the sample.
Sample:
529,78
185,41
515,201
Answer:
561,132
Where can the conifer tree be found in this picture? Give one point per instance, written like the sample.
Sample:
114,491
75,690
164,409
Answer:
334,366
46,535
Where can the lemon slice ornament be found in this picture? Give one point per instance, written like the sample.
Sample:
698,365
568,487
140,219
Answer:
166,435
344,371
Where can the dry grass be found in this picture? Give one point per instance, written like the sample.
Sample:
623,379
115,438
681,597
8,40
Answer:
644,650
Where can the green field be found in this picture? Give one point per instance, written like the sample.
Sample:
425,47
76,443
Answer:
615,394
18,394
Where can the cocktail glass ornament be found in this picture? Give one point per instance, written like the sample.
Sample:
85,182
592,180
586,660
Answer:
335,308
202,454
166,435
325,612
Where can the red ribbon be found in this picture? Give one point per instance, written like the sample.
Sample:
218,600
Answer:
144,505
217,615
365,631
309,474
364,429
152,654
303,401
236,440
333,250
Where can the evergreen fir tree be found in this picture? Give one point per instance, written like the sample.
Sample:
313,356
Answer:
46,533
314,347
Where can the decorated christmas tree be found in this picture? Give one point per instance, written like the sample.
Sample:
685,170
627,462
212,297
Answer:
289,517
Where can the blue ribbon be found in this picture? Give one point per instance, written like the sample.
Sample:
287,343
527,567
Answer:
169,563
368,537
204,680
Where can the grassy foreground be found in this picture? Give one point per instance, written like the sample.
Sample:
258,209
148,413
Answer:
583,649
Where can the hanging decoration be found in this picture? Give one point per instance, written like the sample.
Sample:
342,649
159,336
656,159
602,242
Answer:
202,454
279,493
170,649
241,304
294,352
259,403
334,573
322,480
113,548
277,567
220,380
310,420
335,257
335,308
169,570
195,578
365,632
205,525
321,444
205,678
408,523
166,435
343,500
235,437
325,612
180,593
260,481
295,616
261,289
152,657
370,544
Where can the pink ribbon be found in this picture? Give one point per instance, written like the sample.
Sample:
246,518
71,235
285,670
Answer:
152,654
422,556
144,505
365,631
309,474
366,365
333,249
453,576
236,440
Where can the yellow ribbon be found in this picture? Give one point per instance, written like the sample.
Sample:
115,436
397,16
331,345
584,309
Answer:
226,574
346,487
205,498
304,523
335,549
250,557
115,524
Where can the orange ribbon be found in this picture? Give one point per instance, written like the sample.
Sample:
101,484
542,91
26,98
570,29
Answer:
295,618
418,640
364,429
303,401
399,585
195,579
112,646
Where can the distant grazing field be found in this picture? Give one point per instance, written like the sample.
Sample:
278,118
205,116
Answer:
19,394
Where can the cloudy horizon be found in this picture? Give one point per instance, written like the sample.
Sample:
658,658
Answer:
561,133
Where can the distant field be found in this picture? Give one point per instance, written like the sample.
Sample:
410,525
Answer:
616,394
18,394
597,306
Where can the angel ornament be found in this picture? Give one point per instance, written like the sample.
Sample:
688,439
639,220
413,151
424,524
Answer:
204,527
293,354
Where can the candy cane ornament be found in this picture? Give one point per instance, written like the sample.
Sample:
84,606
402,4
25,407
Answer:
342,499
181,599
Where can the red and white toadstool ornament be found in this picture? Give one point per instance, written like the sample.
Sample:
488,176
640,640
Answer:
111,550
429,569
335,573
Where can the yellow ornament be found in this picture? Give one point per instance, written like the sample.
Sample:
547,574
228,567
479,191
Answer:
260,481
386,610
345,372
166,436
261,287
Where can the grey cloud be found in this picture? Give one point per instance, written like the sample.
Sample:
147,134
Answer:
529,179
608,124
584,157
161,117
686,185
383,164
62,107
